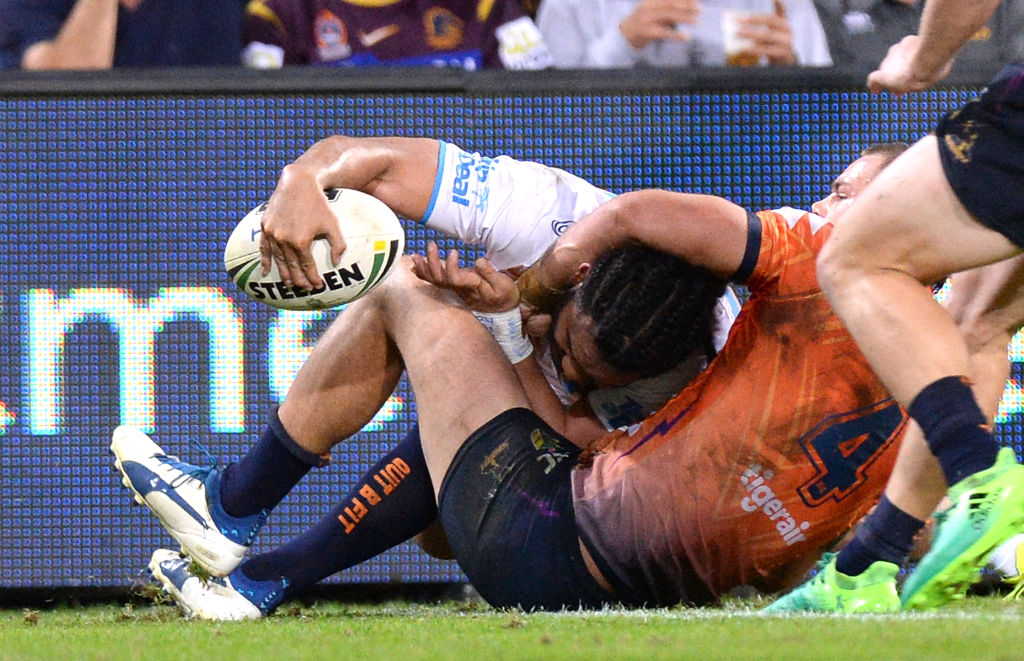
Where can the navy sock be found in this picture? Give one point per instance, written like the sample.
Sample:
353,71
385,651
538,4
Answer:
268,471
392,501
955,428
887,533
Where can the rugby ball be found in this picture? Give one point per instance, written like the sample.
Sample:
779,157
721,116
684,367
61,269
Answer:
374,239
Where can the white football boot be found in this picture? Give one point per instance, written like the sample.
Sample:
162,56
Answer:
214,598
186,499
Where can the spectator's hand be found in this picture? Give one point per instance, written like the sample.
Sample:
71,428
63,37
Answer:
131,4
897,73
771,36
483,288
657,20
297,213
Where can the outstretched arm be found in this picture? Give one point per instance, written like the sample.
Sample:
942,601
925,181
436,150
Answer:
704,230
919,61
398,171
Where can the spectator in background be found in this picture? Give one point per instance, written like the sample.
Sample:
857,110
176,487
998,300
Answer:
469,34
860,33
100,34
674,33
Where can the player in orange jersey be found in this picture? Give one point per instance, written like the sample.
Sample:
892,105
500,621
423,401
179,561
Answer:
762,462
953,202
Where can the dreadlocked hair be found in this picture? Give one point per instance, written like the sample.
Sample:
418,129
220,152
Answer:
651,310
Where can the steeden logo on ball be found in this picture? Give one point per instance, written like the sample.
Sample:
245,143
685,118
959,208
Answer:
374,239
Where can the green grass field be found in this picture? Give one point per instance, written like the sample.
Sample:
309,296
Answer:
976,628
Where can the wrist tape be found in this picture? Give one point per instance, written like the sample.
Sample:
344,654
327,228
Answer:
507,329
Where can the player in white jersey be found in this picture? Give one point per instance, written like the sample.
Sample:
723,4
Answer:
515,210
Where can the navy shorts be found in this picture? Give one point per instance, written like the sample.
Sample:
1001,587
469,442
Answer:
507,510
982,151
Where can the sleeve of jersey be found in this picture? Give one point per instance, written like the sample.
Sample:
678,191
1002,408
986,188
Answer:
787,239
512,209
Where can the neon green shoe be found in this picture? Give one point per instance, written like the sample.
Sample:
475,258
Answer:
988,509
831,591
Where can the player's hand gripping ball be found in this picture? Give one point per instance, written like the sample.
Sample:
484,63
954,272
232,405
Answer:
374,240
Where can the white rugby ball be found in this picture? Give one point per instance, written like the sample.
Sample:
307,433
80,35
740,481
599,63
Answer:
374,239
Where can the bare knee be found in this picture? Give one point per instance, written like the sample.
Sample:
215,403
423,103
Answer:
401,278
836,270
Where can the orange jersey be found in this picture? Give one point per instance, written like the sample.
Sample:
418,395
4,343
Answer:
763,461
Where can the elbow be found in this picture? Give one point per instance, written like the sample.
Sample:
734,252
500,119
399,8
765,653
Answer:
46,56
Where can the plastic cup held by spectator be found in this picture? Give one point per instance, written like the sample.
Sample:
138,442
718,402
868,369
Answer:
738,49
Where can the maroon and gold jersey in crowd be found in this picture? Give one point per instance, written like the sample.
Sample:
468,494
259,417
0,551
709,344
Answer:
470,34
764,460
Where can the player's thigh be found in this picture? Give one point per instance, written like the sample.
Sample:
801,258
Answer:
459,376
910,219
506,504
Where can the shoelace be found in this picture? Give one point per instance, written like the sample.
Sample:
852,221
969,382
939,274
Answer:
187,471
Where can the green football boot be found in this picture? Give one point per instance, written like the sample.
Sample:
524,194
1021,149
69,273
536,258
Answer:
987,509
831,591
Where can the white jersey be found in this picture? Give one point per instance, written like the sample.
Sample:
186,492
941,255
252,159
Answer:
514,210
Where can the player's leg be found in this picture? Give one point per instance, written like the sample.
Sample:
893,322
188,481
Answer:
389,504
215,514
862,575
986,307
906,229
347,378
989,310
988,332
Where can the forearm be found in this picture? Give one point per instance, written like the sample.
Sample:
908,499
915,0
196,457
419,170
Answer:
398,171
85,41
543,400
946,25
704,230
577,424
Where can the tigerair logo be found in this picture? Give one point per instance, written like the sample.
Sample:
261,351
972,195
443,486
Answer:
760,496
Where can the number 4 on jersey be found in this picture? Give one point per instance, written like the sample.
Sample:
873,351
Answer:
843,446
